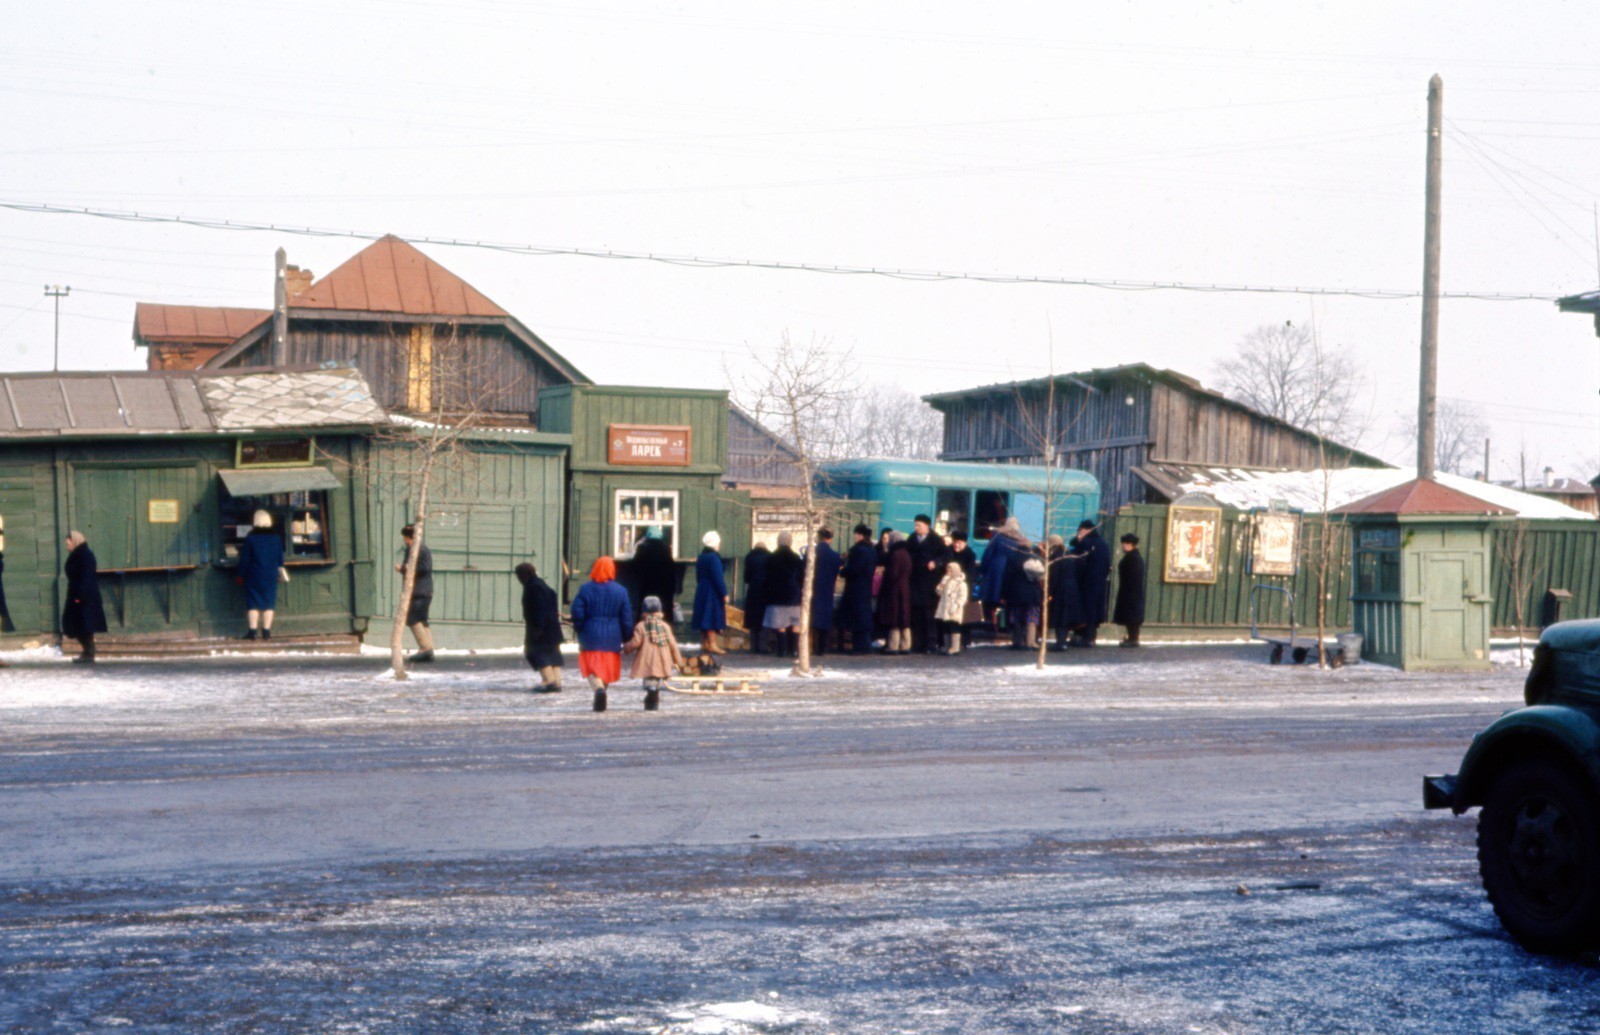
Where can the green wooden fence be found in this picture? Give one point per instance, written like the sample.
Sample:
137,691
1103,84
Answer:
1224,606
1553,555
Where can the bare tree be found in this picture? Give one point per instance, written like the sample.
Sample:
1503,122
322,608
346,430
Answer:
446,395
804,390
1514,553
1459,432
889,420
1281,370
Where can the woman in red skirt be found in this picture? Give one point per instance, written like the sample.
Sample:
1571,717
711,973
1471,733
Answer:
602,618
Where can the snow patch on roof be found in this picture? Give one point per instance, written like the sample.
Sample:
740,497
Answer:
1304,490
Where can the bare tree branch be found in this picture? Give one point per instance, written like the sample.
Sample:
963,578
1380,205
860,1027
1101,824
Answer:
1281,370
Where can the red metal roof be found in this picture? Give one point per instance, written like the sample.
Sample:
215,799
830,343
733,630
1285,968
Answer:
1418,497
193,324
392,276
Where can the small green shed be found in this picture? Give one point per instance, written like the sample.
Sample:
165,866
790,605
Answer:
1421,594
641,457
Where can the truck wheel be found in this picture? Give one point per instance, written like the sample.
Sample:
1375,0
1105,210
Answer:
1539,855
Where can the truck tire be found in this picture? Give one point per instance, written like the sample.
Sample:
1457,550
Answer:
1539,855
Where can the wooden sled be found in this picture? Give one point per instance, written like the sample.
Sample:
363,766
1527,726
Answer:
727,686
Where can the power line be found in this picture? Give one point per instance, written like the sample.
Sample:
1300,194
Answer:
702,262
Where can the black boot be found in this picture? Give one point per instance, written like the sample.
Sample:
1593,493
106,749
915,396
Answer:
600,700
266,634
652,699
251,634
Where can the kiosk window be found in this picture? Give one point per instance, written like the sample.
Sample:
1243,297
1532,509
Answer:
993,508
300,517
636,511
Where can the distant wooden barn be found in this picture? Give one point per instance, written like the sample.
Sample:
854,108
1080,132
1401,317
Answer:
424,339
1132,427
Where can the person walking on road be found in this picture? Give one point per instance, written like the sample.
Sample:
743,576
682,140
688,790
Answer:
541,620
1129,612
260,569
601,616
710,594
421,595
85,613
656,654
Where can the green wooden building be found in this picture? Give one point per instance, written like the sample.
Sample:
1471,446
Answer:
1422,597
162,472
641,457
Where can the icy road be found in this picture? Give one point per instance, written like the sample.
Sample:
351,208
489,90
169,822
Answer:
1180,839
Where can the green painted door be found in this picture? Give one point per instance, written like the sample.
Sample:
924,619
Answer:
1452,615
148,538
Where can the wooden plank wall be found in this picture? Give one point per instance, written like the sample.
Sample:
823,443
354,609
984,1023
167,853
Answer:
1189,427
483,366
1556,554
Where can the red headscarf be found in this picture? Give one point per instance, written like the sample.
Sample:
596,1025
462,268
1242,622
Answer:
604,570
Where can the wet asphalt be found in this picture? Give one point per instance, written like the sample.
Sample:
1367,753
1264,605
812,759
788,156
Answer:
1180,839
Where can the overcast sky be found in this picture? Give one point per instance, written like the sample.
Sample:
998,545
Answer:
1251,143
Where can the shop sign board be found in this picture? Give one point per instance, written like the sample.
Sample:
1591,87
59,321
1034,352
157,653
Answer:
162,512
648,445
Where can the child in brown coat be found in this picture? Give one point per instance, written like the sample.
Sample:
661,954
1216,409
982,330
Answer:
656,652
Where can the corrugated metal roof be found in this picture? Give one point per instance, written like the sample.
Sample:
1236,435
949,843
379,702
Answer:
193,324
95,404
392,276
1310,491
1424,497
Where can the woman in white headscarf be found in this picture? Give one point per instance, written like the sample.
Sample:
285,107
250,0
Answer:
84,613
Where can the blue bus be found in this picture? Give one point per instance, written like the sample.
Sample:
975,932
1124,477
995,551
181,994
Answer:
971,498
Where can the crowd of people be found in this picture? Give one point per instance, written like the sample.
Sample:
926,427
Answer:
924,593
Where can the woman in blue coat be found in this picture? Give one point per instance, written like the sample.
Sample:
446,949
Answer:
710,594
603,620
84,614
1008,541
260,559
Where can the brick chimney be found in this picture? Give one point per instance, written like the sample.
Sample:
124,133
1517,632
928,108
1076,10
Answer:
297,279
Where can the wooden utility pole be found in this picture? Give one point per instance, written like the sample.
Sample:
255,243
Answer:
280,310
1428,383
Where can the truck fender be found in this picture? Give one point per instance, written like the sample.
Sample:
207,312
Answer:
1544,730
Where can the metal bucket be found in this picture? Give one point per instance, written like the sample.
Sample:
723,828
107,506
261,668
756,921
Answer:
1350,647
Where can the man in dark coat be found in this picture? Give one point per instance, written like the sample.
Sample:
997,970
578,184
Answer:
84,614
855,607
5,612
828,563
929,555
1093,557
421,594
962,554
654,572
1129,612
755,593
541,619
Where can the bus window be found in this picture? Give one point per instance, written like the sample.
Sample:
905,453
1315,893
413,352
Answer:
950,511
992,510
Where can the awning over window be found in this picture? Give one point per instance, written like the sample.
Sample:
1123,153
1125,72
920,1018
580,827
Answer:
270,481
